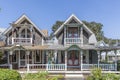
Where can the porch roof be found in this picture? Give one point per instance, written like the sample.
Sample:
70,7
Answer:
26,47
62,47
39,47
56,47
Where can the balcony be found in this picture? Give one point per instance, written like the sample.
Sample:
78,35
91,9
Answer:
48,42
22,41
72,41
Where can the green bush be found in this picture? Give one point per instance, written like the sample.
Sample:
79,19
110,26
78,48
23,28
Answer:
40,76
6,74
36,76
96,74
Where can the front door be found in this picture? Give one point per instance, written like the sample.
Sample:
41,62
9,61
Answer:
73,59
22,59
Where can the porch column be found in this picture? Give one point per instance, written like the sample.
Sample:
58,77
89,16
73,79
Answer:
98,52
10,57
65,60
28,53
55,55
81,35
106,57
47,60
33,56
81,53
115,60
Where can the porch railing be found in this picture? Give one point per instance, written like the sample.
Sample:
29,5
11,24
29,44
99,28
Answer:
48,67
22,41
102,66
56,67
31,67
72,40
5,66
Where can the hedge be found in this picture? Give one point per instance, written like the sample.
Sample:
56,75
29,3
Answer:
7,74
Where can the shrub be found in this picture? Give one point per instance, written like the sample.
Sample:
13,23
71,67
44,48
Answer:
96,74
36,76
40,76
6,74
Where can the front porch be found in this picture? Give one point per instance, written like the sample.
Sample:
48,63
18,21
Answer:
70,59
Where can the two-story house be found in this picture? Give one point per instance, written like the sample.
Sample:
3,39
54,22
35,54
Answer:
73,46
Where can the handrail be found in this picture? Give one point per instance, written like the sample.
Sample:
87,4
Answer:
72,40
21,41
102,66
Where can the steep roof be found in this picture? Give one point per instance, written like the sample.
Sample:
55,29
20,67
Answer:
22,18
72,17
45,32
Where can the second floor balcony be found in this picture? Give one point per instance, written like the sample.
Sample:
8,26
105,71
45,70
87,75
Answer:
72,40
22,41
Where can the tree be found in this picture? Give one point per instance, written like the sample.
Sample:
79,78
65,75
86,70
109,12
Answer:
57,25
96,28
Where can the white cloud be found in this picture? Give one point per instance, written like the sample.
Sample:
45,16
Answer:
2,29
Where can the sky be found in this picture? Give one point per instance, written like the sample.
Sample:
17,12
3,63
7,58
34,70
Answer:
44,13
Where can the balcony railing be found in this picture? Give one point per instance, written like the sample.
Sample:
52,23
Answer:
22,41
72,40
48,42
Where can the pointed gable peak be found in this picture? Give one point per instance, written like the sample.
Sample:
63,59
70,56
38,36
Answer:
76,20
21,18
71,18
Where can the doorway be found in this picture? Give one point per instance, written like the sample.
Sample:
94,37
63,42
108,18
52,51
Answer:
73,58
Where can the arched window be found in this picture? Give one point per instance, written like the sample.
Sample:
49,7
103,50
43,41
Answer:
25,33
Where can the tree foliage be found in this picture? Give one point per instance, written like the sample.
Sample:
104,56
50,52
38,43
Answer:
96,28
57,25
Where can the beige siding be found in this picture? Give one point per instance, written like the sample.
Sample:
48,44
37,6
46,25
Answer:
61,39
38,39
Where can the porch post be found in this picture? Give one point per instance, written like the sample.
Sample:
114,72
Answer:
28,53
98,52
47,60
33,53
65,60
106,57
10,57
115,60
55,55
81,53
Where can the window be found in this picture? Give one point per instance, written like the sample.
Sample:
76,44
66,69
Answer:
38,56
14,57
72,32
25,33
62,57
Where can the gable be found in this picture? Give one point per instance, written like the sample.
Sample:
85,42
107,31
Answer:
24,20
73,20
